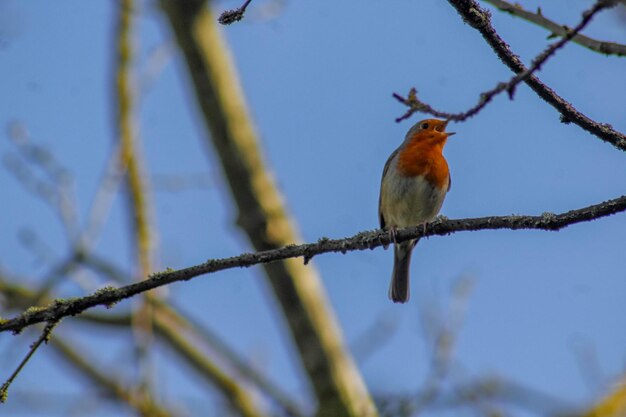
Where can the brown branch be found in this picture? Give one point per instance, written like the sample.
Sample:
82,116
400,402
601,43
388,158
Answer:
231,16
365,240
416,105
485,98
479,19
606,48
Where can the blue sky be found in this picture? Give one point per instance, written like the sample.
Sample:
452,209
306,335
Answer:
318,78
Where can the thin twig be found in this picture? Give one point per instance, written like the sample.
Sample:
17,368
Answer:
415,105
44,337
232,16
365,240
606,48
58,187
479,19
112,176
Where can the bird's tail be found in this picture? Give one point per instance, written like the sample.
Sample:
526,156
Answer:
399,288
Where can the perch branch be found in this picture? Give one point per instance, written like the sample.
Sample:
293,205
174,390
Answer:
108,296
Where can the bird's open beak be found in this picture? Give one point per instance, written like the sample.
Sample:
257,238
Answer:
442,128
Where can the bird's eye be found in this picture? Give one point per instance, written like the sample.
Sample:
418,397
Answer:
424,125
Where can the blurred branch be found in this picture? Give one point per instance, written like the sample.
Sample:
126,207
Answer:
109,182
136,181
478,18
480,392
441,329
374,337
129,155
337,384
415,104
238,396
184,182
55,275
45,336
57,189
144,405
184,337
167,316
606,48
613,405
108,296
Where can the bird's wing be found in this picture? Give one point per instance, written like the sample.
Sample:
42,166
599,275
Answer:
381,218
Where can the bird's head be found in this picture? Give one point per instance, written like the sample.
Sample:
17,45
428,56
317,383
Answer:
429,128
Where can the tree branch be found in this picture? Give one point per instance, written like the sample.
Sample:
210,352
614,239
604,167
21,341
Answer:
606,48
195,344
336,382
485,98
108,296
479,19
136,192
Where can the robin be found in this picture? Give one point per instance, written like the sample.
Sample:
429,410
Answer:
414,184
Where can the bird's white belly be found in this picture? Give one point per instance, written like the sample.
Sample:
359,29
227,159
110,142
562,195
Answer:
410,201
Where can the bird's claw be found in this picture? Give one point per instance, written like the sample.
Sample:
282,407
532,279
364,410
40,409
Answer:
392,235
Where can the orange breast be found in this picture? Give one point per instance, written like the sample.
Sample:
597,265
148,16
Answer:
424,156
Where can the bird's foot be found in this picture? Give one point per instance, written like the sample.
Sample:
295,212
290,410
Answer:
393,230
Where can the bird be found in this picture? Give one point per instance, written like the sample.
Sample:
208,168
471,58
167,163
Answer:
414,184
